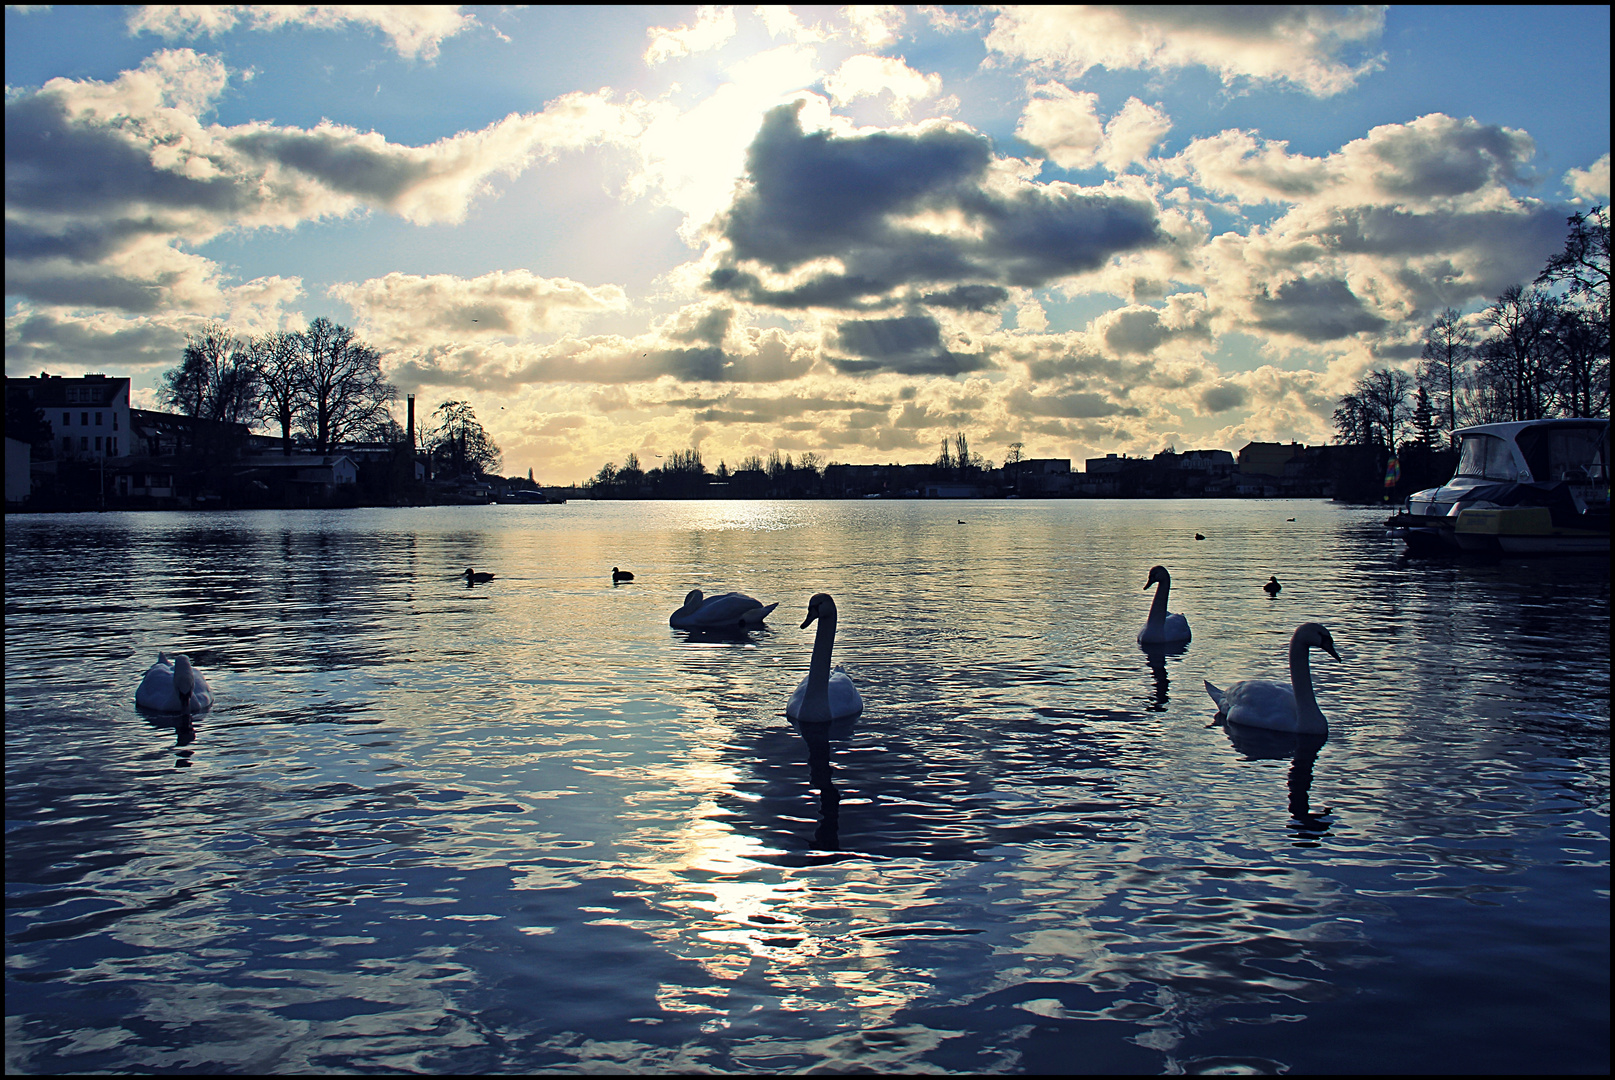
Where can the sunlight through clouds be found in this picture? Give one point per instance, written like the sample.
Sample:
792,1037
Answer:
850,231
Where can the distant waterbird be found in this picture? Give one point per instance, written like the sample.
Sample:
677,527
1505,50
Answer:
1199,536
620,575
1273,585
474,578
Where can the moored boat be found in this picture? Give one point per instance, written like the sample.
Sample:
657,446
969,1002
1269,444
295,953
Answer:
1535,487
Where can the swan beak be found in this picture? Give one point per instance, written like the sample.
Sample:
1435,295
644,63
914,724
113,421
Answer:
813,613
1329,647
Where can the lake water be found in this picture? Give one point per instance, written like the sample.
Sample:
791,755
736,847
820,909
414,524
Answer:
527,826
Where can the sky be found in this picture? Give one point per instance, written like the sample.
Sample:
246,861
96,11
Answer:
845,231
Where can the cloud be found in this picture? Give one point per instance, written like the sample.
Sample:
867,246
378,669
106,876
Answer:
104,181
825,220
874,24
1590,184
907,345
415,30
1222,396
870,76
409,309
712,27
1297,44
1064,124
779,19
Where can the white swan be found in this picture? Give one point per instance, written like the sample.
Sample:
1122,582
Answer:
174,687
727,611
824,696
1273,705
1162,627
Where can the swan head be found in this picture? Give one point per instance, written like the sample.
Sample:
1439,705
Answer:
693,598
184,681
820,607
1158,574
1315,636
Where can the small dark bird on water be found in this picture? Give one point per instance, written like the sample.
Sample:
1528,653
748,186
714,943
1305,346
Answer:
1199,536
474,578
1272,586
621,575
961,521
1289,519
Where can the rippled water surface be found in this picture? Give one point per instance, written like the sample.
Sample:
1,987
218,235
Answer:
528,826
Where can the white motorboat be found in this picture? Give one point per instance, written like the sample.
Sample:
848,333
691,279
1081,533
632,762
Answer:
1533,487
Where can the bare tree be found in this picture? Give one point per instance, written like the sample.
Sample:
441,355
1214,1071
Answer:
1580,344
461,438
277,357
1445,369
1583,265
345,394
215,382
1517,355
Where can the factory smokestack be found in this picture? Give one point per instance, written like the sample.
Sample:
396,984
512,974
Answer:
412,423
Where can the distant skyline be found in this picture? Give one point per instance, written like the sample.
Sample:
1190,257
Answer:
850,231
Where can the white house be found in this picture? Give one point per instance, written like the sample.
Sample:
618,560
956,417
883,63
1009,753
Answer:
88,416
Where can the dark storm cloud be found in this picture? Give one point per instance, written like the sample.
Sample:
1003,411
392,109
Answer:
709,328
1070,406
1221,397
967,297
907,345
42,340
337,162
817,195
1317,309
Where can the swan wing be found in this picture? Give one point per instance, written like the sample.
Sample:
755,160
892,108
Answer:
793,707
1263,704
1174,628
725,610
845,701
755,616
1217,696
156,690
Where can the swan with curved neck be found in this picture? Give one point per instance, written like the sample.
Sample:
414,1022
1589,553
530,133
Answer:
727,611
1162,627
174,687
1275,705
825,695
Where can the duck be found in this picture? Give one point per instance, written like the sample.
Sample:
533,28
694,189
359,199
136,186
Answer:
1199,536
1276,706
826,695
621,575
1162,627
474,578
1272,586
726,611
174,687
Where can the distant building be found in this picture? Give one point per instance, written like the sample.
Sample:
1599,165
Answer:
19,479
89,416
1269,458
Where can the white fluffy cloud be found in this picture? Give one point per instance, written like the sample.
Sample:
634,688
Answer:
1064,124
1296,44
874,24
1590,184
105,179
412,309
712,27
415,30
870,76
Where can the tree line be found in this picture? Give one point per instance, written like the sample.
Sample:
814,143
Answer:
321,387
1533,353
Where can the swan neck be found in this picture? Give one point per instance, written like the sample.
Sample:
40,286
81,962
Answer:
1158,605
1309,716
823,641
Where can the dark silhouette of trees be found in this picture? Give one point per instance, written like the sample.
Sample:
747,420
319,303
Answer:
1583,266
215,384
345,395
461,439
1446,370
1376,410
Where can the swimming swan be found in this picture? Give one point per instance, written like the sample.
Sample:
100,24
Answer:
1162,627
727,611
1273,705
174,687
825,695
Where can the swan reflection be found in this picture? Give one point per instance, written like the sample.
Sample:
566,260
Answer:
821,776
1265,744
1155,656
